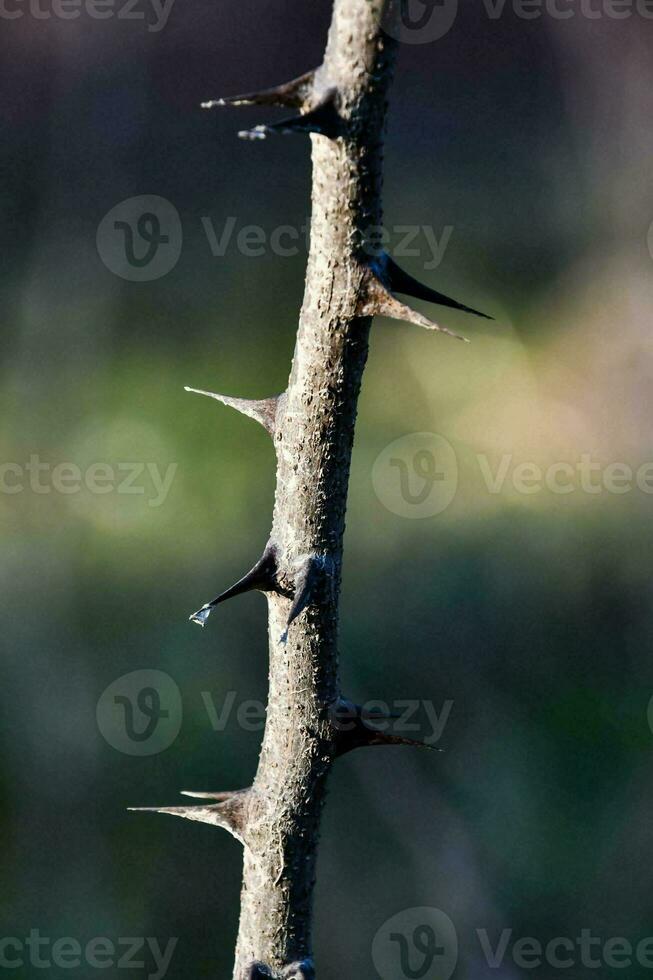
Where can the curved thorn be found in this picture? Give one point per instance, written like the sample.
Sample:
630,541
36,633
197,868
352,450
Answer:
322,119
263,410
313,572
352,732
399,281
292,95
261,578
379,301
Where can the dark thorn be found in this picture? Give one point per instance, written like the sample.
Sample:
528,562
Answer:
323,119
264,410
352,732
399,281
261,578
257,971
377,300
292,95
313,572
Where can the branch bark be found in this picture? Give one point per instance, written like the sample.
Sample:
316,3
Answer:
314,438
342,105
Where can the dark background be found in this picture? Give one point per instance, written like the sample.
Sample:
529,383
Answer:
532,613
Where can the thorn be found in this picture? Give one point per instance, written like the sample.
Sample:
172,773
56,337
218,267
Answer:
313,572
379,301
300,971
230,813
263,410
208,796
292,95
257,971
322,119
261,578
352,732
398,281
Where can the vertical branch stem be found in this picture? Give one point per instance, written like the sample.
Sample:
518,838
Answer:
314,437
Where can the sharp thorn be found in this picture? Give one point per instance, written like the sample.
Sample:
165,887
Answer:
379,301
351,731
292,95
312,573
323,119
264,410
228,814
220,797
399,281
261,578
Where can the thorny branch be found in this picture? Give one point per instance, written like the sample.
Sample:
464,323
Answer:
342,105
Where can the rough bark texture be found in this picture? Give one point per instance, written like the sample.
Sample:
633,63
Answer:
314,437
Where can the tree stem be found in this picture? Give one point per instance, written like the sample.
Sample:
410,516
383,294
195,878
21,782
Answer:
314,436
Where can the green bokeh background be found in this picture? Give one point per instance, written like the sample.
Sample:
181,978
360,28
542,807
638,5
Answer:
532,613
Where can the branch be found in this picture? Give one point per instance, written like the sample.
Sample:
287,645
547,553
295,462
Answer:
342,105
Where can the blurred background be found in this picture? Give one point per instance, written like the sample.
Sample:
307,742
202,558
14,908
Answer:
518,612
